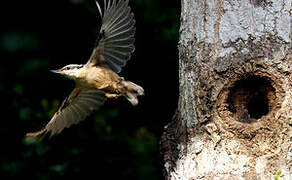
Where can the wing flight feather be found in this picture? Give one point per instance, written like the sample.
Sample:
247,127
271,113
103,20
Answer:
73,110
115,42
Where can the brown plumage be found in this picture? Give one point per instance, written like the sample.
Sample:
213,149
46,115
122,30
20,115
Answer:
98,80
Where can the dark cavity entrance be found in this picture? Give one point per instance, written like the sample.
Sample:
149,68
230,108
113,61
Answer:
250,98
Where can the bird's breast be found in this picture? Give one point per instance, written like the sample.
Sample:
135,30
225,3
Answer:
98,78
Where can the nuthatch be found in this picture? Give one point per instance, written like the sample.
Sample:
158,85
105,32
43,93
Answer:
98,80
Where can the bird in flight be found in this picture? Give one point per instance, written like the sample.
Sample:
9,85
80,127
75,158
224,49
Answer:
98,80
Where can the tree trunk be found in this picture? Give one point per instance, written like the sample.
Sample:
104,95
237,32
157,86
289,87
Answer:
234,117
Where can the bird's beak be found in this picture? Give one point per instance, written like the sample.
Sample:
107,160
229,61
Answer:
56,71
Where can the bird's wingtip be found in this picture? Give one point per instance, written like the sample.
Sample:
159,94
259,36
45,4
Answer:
36,134
98,7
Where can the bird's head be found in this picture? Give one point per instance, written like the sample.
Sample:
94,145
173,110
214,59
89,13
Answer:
70,71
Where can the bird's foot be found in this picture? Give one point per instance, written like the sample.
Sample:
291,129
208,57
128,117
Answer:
132,91
139,90
109,95
132,98
134,88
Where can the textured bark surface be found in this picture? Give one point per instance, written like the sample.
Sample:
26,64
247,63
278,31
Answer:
234,118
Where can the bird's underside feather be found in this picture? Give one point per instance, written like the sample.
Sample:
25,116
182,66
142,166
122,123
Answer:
115,42
74,109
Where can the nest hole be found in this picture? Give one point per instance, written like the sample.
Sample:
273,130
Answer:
250,98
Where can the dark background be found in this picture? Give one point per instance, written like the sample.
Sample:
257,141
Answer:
117,142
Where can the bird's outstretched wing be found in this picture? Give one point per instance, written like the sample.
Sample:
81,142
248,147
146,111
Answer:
115,41
74,109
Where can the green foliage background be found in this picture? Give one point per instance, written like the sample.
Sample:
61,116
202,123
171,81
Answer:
119,141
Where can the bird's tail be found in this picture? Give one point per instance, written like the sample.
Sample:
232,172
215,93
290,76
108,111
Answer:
132,92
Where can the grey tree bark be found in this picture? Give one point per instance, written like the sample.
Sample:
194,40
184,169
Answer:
234,117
